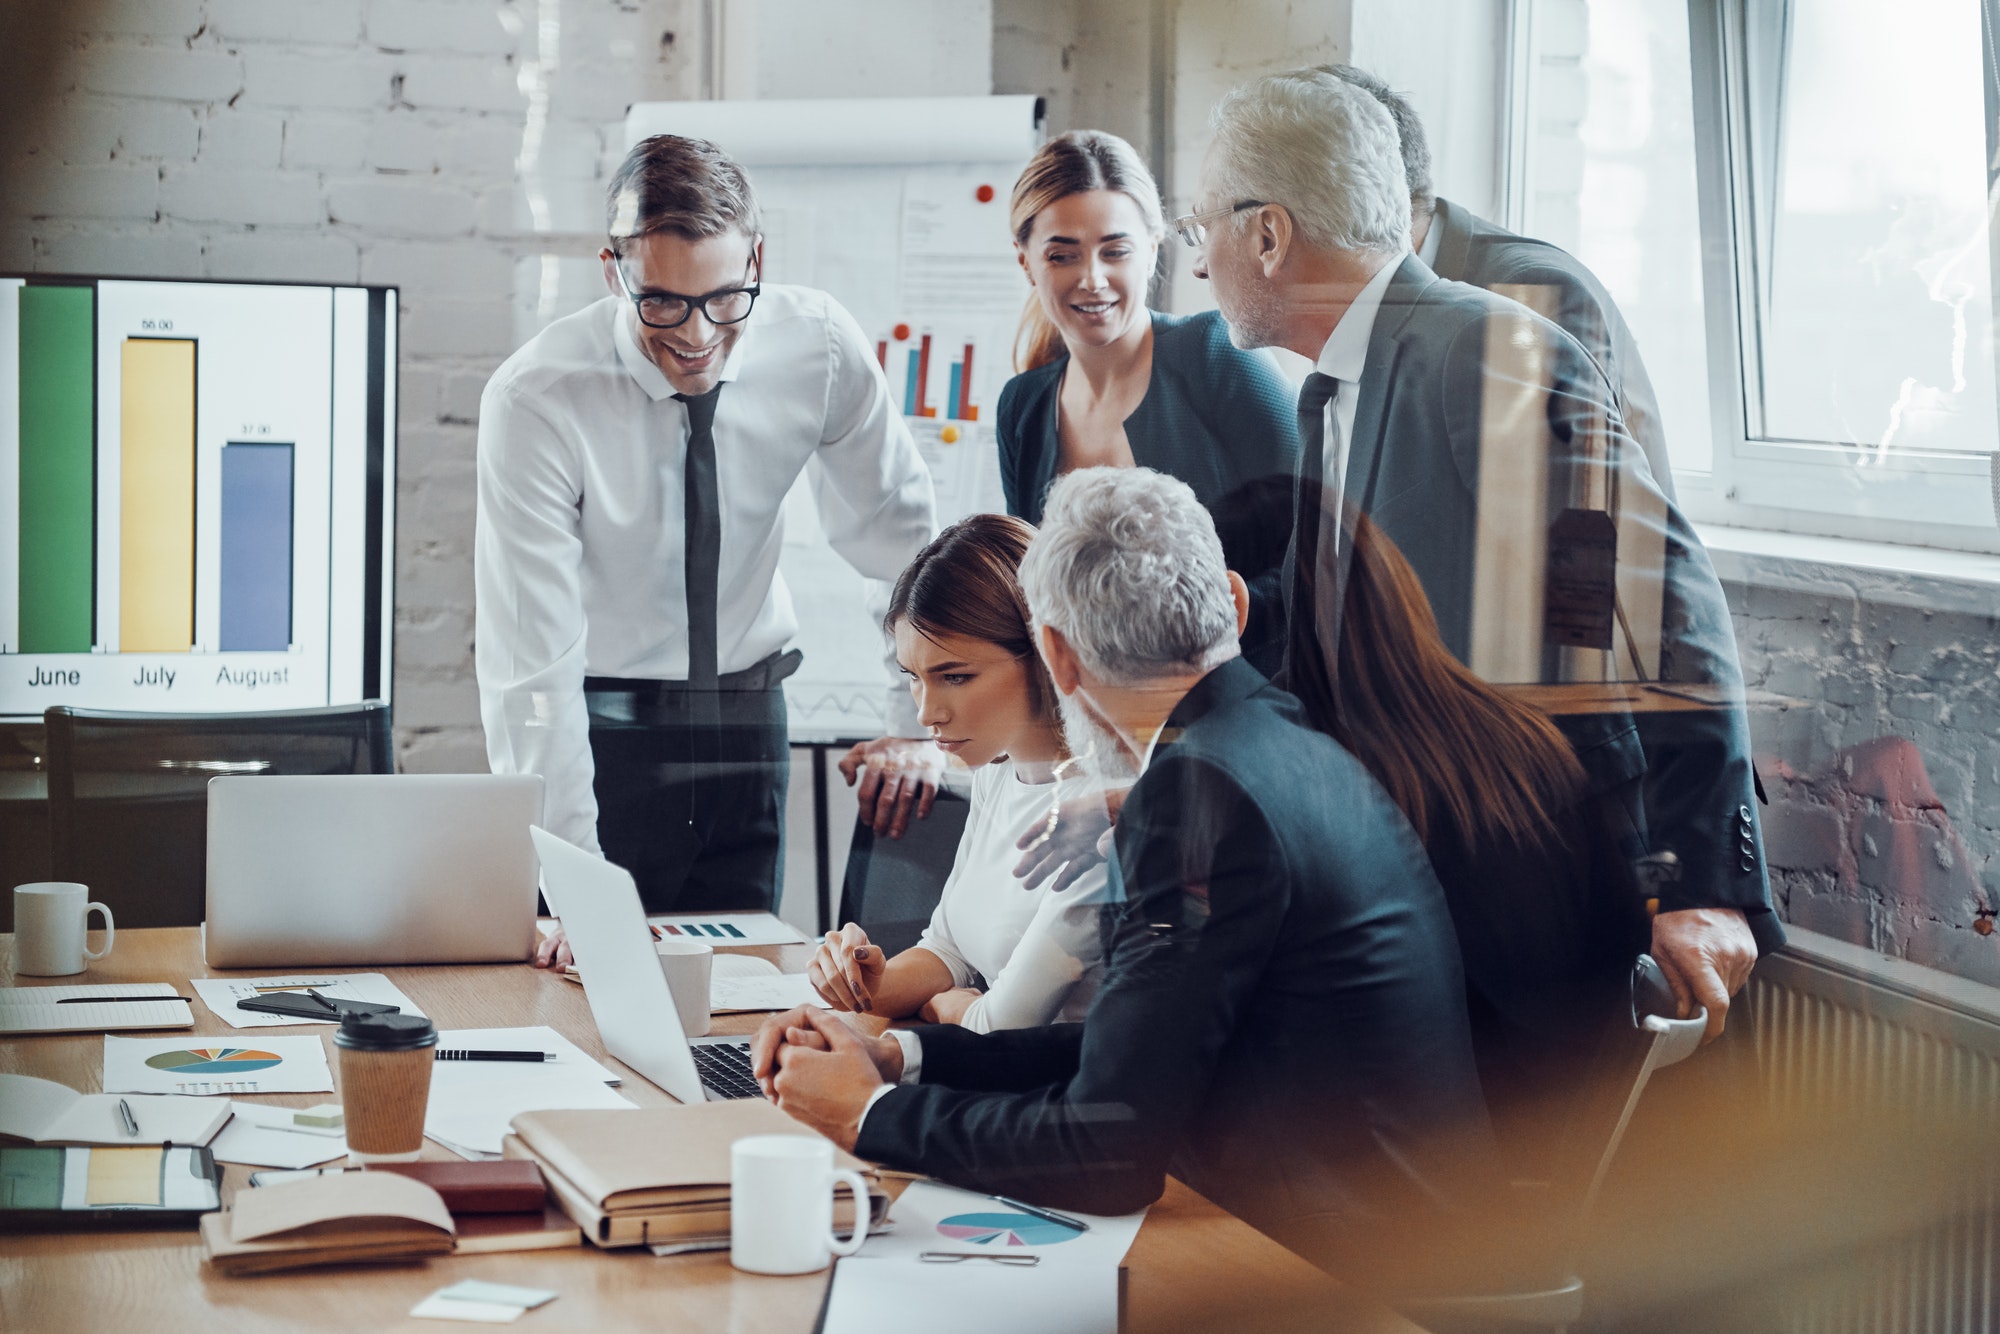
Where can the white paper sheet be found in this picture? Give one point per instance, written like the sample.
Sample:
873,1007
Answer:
472,1102
722,929
216,1066
737,995
534,1038
872,1296
728,929
40,1009
933,1217
481,1303
220,994
259,1135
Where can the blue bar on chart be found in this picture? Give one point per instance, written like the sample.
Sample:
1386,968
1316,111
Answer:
910,385
256,584
953,392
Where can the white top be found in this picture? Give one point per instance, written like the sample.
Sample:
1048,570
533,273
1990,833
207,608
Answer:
577,564
1035,952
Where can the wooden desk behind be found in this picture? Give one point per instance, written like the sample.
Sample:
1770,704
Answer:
1191,1266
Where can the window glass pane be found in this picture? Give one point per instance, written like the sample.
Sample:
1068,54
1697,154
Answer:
1614,184
1877,300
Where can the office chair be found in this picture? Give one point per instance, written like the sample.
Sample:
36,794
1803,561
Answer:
128,792
892,886
1655,1040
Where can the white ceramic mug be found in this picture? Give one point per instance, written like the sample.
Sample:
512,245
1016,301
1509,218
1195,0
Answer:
781,1204
689,965
50,918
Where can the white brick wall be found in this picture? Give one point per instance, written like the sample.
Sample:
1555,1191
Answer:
342,141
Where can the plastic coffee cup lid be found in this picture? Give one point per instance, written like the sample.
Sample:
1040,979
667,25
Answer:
385,1032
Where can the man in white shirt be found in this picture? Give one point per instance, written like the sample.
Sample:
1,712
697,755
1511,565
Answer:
631,624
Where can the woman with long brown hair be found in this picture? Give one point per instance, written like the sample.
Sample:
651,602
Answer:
1548,915
995,955
1105,381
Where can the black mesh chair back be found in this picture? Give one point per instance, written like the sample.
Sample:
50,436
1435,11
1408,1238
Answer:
893,884
128,792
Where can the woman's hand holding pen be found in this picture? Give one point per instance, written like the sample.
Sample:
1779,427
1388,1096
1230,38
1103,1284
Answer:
846,970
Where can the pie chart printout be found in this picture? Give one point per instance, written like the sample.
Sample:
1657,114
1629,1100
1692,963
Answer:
1005,1229
214,1060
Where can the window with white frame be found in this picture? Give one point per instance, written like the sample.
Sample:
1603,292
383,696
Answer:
1790,201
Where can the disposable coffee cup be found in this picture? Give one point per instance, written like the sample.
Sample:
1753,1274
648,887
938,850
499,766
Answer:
385,1084
690,967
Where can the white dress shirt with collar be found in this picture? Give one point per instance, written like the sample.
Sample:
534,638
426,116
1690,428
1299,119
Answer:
1433,242
580,548
1344,357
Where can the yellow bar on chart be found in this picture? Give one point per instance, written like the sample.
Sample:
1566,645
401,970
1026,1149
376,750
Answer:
156,497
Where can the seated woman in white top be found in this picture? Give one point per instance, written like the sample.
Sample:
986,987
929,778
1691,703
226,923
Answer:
995,955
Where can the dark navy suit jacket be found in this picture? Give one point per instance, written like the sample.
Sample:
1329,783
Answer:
1282,1021
1413,466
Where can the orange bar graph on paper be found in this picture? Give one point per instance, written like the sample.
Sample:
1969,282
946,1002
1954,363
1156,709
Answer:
156,496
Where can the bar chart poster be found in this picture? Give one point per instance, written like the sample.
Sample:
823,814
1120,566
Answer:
190,477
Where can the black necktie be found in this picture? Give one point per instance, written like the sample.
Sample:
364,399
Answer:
1317,391
704,538
1316,577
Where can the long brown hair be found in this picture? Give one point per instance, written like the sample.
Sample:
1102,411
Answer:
1448,747
966,582
1066,165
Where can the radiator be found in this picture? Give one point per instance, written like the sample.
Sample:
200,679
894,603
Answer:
1833,1022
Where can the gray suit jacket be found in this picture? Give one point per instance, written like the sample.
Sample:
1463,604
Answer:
1484,254
1414,467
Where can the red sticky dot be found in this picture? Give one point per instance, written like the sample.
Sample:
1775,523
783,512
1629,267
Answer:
902,332
984,194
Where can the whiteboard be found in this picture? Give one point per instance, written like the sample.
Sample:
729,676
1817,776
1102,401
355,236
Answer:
898,208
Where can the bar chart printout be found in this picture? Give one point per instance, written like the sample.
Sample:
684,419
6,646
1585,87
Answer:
256,578
156,502
56,534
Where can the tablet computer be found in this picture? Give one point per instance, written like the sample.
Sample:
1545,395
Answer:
156,1186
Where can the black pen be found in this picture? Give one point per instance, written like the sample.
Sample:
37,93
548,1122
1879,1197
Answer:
1046,1215
444,1055
106,1000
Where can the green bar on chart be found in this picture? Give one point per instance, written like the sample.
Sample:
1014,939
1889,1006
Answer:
57,497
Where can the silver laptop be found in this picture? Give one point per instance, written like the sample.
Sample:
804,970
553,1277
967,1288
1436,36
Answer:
606,925
371,869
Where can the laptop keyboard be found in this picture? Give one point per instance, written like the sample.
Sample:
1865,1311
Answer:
725,1068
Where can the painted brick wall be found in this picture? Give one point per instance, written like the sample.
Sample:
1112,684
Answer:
1876,721
445,146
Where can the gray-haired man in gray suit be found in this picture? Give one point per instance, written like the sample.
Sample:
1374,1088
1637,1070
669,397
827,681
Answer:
1489,447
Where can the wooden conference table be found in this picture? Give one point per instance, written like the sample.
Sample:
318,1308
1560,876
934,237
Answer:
1192,1266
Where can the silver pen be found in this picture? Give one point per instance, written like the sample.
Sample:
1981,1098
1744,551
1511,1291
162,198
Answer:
1046,1215
131,1121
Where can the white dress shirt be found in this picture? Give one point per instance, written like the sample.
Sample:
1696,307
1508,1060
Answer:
1344,358
579,554
1433,242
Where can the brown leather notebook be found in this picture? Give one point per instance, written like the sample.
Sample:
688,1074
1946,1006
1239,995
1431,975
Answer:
499,1187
